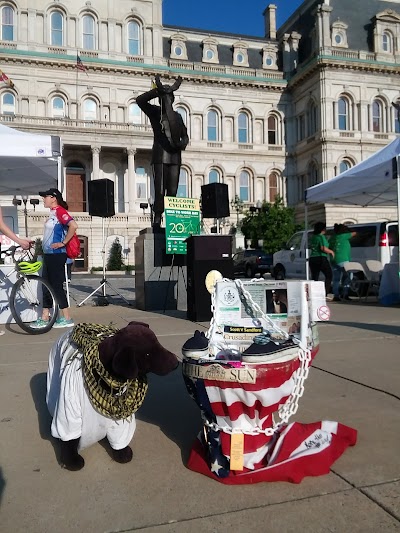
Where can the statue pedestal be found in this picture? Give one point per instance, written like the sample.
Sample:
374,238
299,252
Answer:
160,278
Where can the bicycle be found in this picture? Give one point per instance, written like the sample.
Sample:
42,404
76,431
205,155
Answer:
27,292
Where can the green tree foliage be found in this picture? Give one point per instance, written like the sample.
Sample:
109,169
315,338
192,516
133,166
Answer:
115,260
273,223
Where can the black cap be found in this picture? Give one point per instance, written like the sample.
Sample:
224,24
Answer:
51,192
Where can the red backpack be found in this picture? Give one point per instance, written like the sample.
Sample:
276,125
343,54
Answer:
73,247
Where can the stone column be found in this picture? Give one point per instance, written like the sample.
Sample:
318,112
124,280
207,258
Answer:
95,162
131,178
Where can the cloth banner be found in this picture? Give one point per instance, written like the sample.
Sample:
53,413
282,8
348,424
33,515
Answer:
293,452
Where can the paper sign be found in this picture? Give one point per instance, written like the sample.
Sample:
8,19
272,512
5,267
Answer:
237,447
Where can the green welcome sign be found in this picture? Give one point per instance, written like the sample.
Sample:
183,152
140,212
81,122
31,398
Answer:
182,219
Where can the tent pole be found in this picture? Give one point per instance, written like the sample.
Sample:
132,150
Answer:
398,220
306,230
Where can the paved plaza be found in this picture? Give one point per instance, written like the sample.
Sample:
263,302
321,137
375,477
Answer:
354,380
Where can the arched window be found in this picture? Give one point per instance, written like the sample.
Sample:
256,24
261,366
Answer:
377,115
141,183
212,126
397,118
243,128
214,176
135,114
183,184
88,33
8,104
312,174
57,29
272,130
7,23
344,165
58,107
244,186
134,47
312,118
183,113
343,114
273,186
89,109
387,42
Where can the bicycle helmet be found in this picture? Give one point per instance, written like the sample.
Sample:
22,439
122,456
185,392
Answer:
29,268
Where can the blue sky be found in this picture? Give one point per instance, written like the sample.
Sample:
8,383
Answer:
231,16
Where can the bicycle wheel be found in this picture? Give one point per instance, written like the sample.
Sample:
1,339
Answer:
26,303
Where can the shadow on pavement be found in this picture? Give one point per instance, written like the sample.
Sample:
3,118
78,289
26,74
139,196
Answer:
382,328
2,485
169,406
38,391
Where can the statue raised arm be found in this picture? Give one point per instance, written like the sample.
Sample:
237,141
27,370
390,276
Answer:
170,138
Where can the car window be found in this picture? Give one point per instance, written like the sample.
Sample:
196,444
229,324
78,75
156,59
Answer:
295,241
365,236
393,234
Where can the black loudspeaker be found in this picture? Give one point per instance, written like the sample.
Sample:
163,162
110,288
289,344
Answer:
215,200
205,253
101,198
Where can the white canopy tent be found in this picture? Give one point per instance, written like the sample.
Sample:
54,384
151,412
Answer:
29,162
373,182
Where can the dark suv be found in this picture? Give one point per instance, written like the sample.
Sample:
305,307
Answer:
252,262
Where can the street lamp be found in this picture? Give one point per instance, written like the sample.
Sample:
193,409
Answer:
237,205
25,200
34,202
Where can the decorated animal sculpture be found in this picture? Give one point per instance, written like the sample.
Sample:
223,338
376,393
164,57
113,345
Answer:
96,381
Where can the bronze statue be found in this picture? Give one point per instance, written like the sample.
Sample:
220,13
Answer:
170,138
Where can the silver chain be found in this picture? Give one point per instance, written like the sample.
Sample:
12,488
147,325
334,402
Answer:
289,408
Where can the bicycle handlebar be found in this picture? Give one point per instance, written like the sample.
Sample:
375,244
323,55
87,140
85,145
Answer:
12,250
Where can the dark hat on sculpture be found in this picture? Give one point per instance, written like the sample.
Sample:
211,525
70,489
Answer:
197,346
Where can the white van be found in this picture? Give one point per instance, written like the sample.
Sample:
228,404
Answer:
374,240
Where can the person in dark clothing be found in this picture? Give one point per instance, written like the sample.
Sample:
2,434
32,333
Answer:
319,256
170,138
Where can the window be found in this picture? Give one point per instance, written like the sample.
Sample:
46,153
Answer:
209,54
269,61
273,186
183,113
377,116
7,23
58,107
239,58
343,114
312,118
213,176
141,183
387,42
178,51
134,47
135,114
338,38
272,130
8,104
212,126
183,184
301,128
244,186
88,41
312,174
397,118
89,109
57,24
344,165
243,128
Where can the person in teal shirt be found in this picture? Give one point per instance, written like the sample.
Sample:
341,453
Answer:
319,251
340,244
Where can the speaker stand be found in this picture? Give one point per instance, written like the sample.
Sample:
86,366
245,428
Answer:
180,269
104,282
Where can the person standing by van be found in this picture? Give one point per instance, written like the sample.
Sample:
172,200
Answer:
319,251
340,244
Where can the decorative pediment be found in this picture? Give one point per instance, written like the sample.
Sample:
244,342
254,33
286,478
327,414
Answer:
178,46
389,15
210,50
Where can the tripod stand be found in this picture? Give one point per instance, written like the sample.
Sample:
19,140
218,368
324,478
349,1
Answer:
104,282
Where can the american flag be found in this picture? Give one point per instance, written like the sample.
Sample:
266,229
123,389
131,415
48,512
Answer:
4,78
79,64
246,406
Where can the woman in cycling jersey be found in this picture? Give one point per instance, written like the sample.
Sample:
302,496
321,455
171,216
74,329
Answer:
59,229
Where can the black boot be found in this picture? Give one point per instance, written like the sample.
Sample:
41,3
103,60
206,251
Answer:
123,456
69,456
